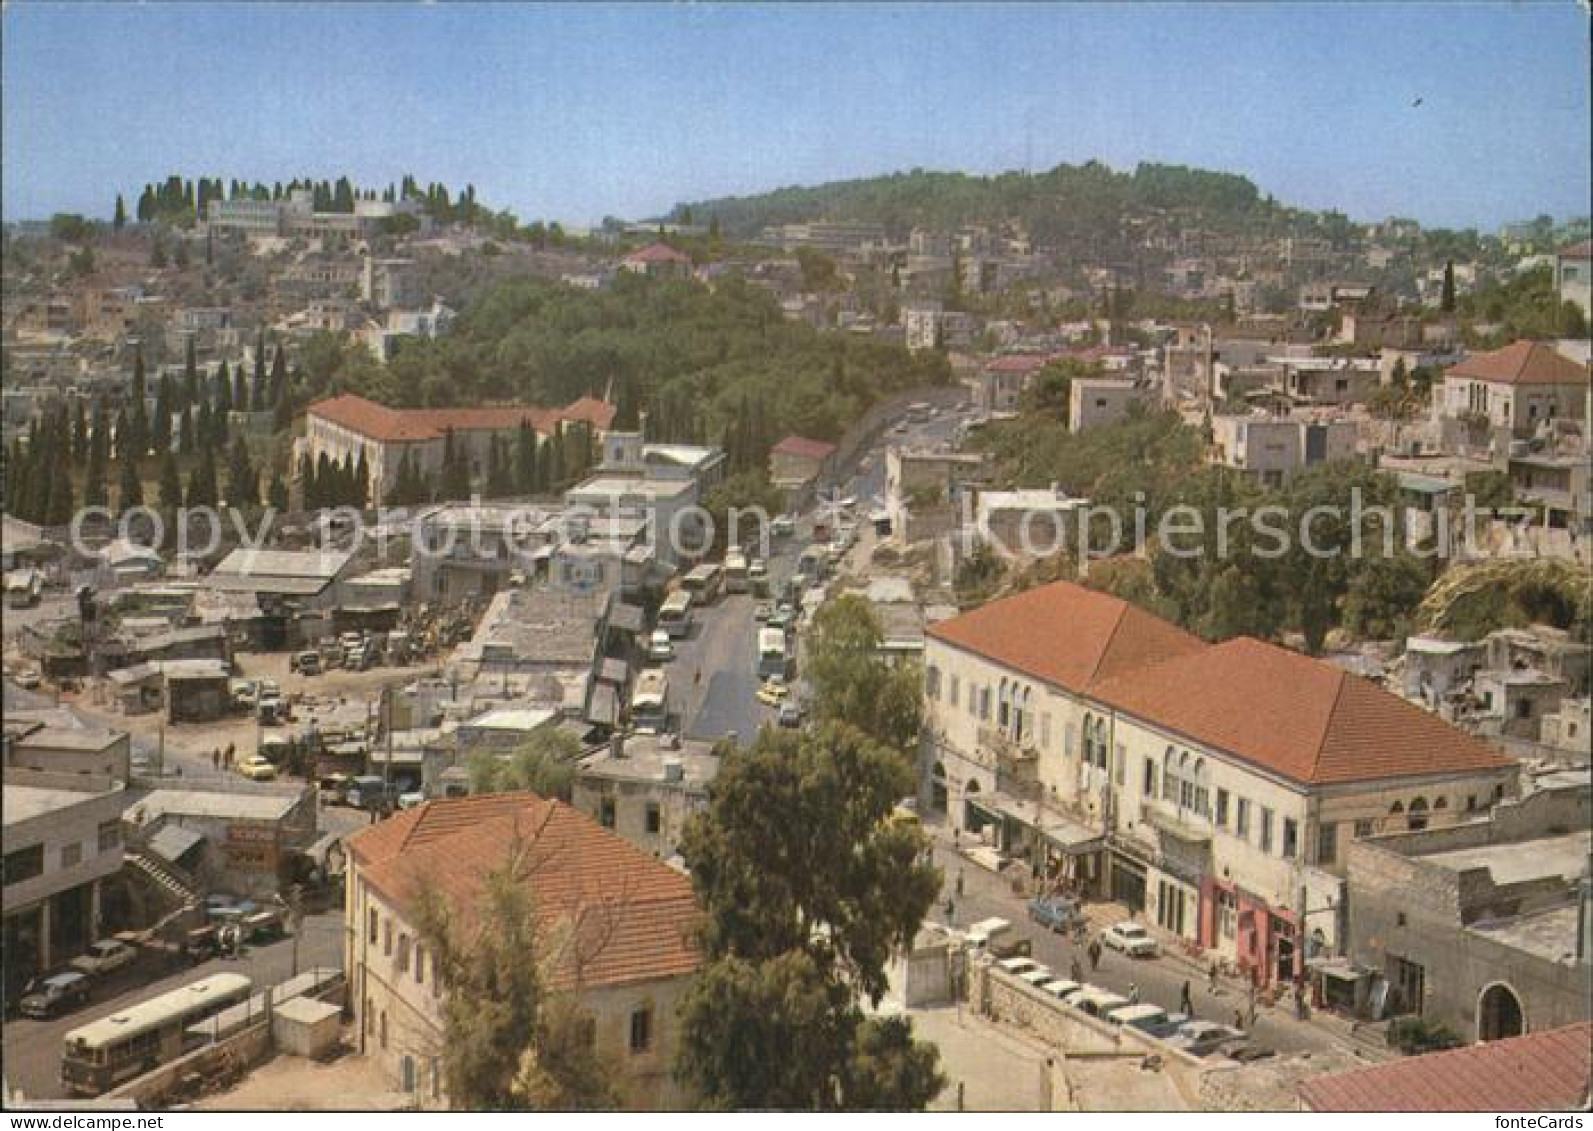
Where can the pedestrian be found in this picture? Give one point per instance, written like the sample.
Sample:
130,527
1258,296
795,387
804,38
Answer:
951,911
215,758
1076,971
1186,1001
959,883
1211,983
1239,1019
1095,954
1133,993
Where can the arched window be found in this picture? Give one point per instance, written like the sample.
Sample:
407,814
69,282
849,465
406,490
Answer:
1003,706
1169,776
1417,820
1441,803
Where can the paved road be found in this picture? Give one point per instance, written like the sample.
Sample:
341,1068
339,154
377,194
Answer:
32,1049
1159,980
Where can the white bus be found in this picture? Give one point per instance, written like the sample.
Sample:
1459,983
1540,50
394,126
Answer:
103,1054
774,653
674,615
735,571
650,702
703,583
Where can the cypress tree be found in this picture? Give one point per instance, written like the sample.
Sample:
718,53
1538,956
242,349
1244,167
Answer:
360,488
160,427
138,422
525,459
185,432
240,389
190,392
258,400
202,481
277,494
243,484
96,480
80,436
171,486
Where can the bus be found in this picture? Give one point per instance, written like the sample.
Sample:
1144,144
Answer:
774,653
736,577
703,583
674,615
650,702
103,1054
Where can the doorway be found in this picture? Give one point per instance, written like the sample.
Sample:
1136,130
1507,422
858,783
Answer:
1499,1014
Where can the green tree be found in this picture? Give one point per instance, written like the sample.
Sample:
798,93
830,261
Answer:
96,477
544,764
171,487
243,482
854,683
119,218
800,918
509,1042
129,485
202,490
1446,301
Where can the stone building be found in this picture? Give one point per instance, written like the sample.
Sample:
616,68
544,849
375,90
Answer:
614,925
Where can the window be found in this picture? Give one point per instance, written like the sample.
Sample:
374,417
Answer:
605,812
655,817
1363,829
420,964
1327,843
955,696
1070,738
1291,838
403,953
1148,787
642,1030
1222,808
110,835
1045,728
387,937
370,936
1227,913
72,854
984,703
1266,829
932,682
1241,819
24,864
1122,762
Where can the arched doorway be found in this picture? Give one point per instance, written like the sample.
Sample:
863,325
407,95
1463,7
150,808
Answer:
1499,1014
937,788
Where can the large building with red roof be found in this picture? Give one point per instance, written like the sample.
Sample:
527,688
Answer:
614,927
349,426
1212,788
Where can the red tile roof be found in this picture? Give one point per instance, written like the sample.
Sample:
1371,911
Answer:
1067,635
1522,363
1295,716
804,447
399,425
1546,1071
613,913
657,253
1583,250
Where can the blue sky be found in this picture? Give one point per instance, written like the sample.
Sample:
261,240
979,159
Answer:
573,113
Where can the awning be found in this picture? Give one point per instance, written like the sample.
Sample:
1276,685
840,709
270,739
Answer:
1071,837
172,842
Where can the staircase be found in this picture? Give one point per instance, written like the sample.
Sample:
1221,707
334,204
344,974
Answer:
174,885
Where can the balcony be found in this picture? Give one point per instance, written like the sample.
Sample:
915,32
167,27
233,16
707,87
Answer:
1019,758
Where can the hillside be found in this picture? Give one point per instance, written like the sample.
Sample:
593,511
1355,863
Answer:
1068,202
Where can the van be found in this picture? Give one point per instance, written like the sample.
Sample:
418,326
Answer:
996,938
1144,1017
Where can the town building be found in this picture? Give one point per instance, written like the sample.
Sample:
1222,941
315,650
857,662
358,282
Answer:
63,841
1485,926
351,427
658,261
1509,394
1002,381
236,837
1573,276
56,740
1213,788
646,787
613,934
1097,401
1271,447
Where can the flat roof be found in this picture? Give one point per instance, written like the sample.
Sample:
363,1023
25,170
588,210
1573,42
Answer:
25,802
1562,856
252,806
645,756
71,738
1548,934
512,718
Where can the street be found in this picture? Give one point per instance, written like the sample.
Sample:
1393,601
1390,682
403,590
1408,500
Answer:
33,1048
1159,980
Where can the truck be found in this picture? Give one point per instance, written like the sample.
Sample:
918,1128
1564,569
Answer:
997,938
371,793
736,579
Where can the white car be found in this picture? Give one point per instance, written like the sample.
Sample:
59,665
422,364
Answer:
1130,938
660,648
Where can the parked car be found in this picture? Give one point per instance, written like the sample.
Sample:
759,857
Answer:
1130,938
1061,988
1017,965
257,767
773,692
1245,1052
1144,1017
1038,976
1055,913
1098,1002
1168,1025
782,526
660,647
762,611
55,995
1202,1038
791,714
29,678
104,958
245,693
